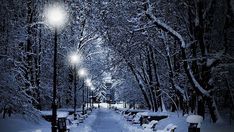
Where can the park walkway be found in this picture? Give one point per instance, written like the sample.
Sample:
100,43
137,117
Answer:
106,121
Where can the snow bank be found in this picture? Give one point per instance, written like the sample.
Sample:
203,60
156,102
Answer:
59,113
138,110
149,113
69,109
173,118
22,125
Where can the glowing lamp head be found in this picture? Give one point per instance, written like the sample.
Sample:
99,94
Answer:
56,16
92,88
75,58
82,72
88,82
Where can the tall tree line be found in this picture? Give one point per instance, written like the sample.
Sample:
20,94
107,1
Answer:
175,50
27,53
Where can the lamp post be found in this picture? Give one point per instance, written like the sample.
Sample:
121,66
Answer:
89,84
75,59
87,97
82,73
54,103
92,89
83,104
90,99
55,16
75,115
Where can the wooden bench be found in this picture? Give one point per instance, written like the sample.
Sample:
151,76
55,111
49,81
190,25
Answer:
151,125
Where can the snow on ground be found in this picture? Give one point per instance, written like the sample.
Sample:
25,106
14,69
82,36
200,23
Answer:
217,127
86,126
106,120
182,125
149,113
19,124
225,126
106,105
59,113
102,120
179,121
176,119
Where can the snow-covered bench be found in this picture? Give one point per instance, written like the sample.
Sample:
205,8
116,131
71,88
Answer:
151,125
80,117
130,117
169,128
194,121
136,119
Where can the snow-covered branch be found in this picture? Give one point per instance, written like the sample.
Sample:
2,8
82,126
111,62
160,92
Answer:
149,13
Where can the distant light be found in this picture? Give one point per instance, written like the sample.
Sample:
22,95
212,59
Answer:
75,58
56,15
82,72
92,88
88,82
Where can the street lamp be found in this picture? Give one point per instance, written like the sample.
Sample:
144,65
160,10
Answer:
75,59
89,84
55,16
92,99
83,73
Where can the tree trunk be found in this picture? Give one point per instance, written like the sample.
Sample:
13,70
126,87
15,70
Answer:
157,91
150,74
140,86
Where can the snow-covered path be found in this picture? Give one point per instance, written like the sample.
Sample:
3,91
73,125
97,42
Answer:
106,122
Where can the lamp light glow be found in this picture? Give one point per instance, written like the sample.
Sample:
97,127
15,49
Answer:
56,16
75,58
88,82
82,72
92,88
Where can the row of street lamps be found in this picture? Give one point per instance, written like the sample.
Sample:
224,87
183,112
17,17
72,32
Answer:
82,72
56,17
